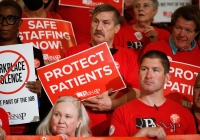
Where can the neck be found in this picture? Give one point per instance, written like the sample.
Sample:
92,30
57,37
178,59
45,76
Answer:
152,99
40,13
140,26
110,45
8,42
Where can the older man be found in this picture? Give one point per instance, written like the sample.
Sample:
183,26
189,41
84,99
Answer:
106,21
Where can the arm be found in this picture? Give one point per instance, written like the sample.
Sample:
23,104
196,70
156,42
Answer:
152,132
104,102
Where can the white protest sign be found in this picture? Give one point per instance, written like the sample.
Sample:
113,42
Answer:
166,9
16,68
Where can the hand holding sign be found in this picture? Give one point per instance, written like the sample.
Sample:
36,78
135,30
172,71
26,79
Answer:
102,102
34,87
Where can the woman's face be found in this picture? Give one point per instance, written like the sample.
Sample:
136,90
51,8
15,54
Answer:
65,119
9,32
144,10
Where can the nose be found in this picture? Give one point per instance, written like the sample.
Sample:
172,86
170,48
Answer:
148,74
99,26
61,119
182,33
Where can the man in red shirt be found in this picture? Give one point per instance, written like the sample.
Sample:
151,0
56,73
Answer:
151,114
106,21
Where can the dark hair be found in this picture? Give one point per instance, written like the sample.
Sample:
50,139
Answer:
190,13
159,55
118,19
13,4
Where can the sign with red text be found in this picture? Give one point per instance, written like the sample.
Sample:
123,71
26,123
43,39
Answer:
52,36
180,86
16,68
83,75
119,4
167,7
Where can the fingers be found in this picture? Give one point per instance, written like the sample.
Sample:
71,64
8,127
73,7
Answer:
33,86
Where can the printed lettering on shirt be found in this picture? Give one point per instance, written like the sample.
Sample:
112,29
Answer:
145,122
171,126
134,45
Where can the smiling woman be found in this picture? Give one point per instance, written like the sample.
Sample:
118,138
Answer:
68,118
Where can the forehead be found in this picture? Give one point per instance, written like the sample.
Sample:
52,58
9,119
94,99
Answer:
182,21
197,82
8,10
151,62
66,107
142,2
106,15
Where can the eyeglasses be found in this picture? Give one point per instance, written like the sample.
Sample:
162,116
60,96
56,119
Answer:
10,20
178,28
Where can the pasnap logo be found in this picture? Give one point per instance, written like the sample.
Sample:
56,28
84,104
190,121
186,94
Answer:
87,93
52,57
19,116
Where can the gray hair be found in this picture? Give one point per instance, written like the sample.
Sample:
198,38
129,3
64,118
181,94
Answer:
82,131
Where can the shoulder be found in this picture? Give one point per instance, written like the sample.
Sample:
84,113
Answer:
129,106
53,15
77,49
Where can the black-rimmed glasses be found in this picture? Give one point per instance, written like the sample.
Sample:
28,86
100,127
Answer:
10,20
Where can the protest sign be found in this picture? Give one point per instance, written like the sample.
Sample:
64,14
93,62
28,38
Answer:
167,7
119,4
83,75
52,36
180,86
16,68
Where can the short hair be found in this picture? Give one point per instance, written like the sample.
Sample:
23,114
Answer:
190,13
83,130
159,55
13,4
155,3
118,19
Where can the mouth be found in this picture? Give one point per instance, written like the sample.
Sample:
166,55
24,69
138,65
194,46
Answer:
141,15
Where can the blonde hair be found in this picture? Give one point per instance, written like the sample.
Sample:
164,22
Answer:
82,131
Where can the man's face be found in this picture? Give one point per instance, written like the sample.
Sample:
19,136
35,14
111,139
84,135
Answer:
196,96
151,75
9,32
183,33
103,28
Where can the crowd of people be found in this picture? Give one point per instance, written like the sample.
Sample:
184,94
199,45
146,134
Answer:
143,53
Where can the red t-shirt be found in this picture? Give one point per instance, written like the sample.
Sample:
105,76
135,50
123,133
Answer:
129,118
189,57
128,68
136,39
